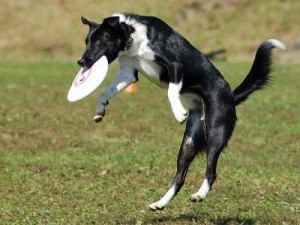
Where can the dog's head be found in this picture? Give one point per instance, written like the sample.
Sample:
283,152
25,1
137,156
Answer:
108,38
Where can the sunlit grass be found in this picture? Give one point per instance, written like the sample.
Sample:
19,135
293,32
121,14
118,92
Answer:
58,167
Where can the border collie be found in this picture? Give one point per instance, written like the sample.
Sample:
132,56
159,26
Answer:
148,45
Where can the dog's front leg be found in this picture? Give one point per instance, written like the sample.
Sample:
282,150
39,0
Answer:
126,76
176,73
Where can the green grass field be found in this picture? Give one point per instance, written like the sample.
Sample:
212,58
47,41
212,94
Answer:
58,167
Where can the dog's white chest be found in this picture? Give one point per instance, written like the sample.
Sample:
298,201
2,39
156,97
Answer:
147,67
150,70
140,55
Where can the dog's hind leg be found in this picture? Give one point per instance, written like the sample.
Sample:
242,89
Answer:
193,141
220,128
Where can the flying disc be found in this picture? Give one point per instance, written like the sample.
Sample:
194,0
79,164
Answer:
87,80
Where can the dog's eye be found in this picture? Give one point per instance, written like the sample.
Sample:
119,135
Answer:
98,42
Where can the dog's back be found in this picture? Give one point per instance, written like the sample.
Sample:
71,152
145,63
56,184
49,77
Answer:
150,46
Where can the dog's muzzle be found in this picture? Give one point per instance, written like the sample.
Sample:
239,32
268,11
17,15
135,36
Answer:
82,62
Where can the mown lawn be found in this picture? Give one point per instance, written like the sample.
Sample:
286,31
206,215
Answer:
58,167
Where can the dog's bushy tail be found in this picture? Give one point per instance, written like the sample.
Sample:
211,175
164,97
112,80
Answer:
259,75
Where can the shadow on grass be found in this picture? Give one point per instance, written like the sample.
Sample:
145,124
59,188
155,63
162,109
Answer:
201,218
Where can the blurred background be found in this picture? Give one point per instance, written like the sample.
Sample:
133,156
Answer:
45,30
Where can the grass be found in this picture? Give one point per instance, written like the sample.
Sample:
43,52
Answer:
58,167
35,29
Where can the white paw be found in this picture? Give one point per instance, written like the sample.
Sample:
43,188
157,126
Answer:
156,206
180,115
196,197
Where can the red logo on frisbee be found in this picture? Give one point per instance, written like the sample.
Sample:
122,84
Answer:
82,76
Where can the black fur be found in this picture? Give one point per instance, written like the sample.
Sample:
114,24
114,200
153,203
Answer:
259,75
182,62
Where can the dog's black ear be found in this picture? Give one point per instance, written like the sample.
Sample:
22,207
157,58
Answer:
126,30
85,21
91,24
112,22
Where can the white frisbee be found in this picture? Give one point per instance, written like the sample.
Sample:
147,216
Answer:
87,80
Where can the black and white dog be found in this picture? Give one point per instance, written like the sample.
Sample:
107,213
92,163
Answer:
148,45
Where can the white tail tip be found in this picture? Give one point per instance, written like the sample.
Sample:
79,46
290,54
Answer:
276,43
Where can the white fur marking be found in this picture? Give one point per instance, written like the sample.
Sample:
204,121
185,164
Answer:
189,141
277,43
202,116
123,79
202,192
140,55
204,189
122,17
164,200
174,97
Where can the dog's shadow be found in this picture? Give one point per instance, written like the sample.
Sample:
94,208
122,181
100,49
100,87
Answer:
202,218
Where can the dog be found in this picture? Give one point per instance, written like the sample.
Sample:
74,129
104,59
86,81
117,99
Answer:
148,45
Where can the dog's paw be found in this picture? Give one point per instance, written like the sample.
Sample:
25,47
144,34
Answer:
196,198
156,206
180,115
98,117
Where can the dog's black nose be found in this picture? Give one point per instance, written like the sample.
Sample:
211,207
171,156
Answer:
81,62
